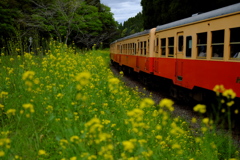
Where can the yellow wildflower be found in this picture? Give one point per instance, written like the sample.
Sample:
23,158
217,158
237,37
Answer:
1,106
194,120
74,138
2,153
128,146
28,106
176,146
159,137
83,78
205,120
146,102
200,108
73,158
41,152
28,75
236,111
11,111
229,93
229,104
219,89
167,103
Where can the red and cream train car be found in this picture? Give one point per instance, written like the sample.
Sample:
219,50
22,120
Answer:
197,52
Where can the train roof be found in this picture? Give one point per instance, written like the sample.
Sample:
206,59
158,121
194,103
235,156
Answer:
199,17
133,35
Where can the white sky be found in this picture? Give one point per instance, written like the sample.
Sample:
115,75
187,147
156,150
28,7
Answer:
123,9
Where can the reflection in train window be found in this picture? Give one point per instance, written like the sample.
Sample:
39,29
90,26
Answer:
163,46
217,43
189,47
156,45
145,47
171,47
201,44
118,49
141,48
135,48
235,43
180,43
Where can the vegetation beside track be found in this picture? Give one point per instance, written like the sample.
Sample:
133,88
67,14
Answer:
67,105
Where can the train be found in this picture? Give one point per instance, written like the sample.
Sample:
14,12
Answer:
190,56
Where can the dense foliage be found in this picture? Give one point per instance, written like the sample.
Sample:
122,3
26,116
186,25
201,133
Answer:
157,12
131,26
86,22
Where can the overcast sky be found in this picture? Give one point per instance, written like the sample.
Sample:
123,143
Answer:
123,9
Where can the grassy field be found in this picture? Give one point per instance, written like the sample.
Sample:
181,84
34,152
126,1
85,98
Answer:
68,106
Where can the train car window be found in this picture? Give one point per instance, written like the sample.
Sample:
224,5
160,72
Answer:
135,47
141,48
171,47
235,43
138,47
189,47
163,46
217,43
180,43
202,45
130,48
145,47
118,48
156,45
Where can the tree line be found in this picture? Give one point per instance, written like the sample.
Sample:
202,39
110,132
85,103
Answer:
84,22
158,12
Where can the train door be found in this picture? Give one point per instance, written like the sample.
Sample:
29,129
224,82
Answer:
179,60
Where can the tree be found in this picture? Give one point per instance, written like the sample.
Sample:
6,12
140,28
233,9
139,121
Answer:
100,26
158,12
59,17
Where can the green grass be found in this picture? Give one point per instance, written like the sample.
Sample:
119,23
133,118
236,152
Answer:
70,106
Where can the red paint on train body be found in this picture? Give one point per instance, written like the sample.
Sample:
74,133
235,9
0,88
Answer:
199,73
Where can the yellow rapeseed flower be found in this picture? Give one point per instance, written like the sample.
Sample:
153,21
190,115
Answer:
28,106
41,152
146,102
128,146
219,89
74,138
229,104
229,93
73,158
236,111
2,153
11,111
194,120
3,94
83,78
205,120
167,103
176,146
200,108
1,106
28,75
